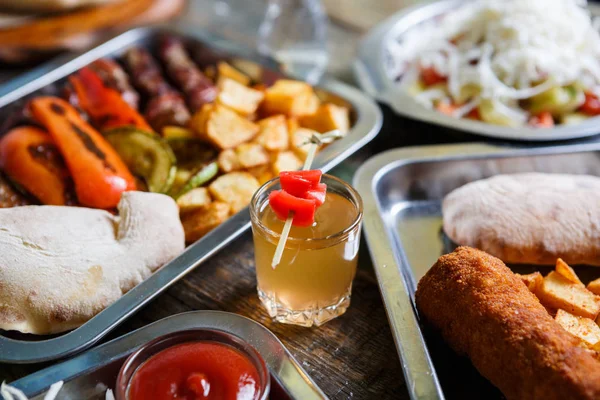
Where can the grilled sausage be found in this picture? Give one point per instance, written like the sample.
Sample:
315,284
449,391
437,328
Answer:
165,105
197,88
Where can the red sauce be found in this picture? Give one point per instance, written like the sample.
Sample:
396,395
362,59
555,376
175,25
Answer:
194,371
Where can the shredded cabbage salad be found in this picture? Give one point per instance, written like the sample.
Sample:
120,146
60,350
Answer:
506,62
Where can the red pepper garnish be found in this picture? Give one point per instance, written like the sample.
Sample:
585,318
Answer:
301,194
282,203
430,76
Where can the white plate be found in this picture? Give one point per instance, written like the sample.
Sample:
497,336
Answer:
373,77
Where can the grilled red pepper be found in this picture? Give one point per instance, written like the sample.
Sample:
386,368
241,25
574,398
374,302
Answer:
103,104
99,174
30,158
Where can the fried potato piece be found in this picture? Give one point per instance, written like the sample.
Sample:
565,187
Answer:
240,98
197,123
262,173
584,328
225,70
594,286
328,117
234,188
228,161
285,161
251,155
565,270
194,199
299,140
223,127
560,293
273,134
199,222
292,98
532,281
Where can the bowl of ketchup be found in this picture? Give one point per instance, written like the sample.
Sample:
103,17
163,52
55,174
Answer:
193,365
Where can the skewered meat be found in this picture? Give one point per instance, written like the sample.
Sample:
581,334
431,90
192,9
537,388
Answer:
198,89
115,77
165,106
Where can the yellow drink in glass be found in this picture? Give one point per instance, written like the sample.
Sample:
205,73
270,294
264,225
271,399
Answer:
313,281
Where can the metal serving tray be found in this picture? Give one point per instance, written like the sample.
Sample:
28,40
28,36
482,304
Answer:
88,375
367,121
371,71
402,191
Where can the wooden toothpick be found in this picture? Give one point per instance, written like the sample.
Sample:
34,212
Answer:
316,140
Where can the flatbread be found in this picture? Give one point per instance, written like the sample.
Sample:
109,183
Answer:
530,218
60,266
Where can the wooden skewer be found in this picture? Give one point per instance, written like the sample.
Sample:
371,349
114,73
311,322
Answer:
315,141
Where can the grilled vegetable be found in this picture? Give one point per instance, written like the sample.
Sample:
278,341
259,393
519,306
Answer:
192,153
202,176
30,158
104,105
146,155
198,89
99,174
115,77
165,106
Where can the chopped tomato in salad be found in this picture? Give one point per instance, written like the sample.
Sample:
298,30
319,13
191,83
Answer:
301,193
591,105
542,120
430,76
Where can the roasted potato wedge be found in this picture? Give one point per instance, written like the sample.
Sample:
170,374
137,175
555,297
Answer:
251,155
299,140
199,120
194,199
327,117
228,161
584,328
202,220
532,281
292,98
594,286
273,134
262,173
223,127
226,71
240,98
285,161
234,188
565,270
558,292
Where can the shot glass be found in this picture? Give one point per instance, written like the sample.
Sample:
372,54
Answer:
313,282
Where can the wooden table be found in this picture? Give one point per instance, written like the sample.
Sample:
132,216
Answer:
352,356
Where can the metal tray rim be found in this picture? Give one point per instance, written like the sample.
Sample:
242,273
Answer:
373,78
389,259
279,360
366,127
